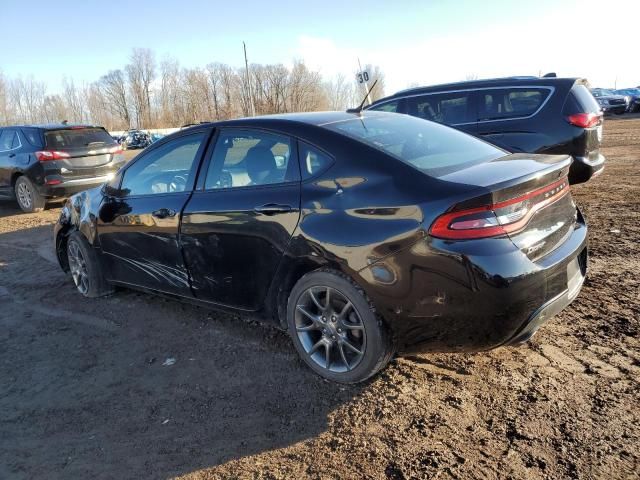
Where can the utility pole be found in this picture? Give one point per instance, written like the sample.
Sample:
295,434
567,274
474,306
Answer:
246,66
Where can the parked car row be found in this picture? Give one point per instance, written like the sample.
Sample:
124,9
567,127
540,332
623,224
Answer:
361,233
134,139
626,100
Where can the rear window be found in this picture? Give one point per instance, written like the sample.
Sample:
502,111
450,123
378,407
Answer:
432,148
510,102
77,138
580,100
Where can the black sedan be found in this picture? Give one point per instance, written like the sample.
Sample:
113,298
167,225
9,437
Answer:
362,235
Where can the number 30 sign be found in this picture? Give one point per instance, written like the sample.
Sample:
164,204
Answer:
362,77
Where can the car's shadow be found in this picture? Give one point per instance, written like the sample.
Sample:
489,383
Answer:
89,387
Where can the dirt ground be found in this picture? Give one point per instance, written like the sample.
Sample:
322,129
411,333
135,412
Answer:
85,392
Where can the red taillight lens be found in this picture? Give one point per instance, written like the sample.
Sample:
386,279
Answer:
48,155
116,150
584,120
499,218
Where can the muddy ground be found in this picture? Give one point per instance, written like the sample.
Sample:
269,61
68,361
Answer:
84,392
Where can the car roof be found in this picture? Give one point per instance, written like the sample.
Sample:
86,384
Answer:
53,126
484,83
319,119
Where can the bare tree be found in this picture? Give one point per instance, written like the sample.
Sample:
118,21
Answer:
114,88
306,92
6,115
140,73
340,93
131,97
74,102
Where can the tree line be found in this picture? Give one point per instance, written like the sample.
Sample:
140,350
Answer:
148,94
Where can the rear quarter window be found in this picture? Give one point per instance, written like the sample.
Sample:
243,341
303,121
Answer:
77,138
33,137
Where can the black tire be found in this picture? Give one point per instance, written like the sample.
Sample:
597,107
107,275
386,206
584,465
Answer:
93,282
27,196
377,348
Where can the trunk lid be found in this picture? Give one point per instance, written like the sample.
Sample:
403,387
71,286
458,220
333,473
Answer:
88,151
525,197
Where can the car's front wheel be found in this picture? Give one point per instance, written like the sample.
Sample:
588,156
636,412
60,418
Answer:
335,328
85,268
27,196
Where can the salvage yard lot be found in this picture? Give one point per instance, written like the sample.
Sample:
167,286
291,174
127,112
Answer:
84,392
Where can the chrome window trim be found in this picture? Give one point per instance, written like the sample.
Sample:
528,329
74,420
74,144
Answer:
444,92
19,141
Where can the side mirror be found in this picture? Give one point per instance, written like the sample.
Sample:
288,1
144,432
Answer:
110,191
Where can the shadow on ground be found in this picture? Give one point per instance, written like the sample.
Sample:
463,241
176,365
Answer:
87,389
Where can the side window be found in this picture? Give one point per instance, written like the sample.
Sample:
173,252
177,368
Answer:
447,108
245,158
166,169
510,102
8,140
32,137
312,160
387,107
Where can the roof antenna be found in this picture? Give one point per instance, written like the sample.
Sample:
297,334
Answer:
358,109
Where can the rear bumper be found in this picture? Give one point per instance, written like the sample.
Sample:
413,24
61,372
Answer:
553,306
69,186
443,296
583,169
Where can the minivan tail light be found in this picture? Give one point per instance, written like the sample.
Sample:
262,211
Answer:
497,219
48,155
584,120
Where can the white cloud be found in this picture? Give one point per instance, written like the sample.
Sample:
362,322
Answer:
570,41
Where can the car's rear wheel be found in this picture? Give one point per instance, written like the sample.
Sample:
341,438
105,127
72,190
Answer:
85,268
27,196
335,328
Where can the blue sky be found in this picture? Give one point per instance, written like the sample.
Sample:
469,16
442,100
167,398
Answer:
419,42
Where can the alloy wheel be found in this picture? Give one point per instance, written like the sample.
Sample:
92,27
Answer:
330,329
24,195
78,268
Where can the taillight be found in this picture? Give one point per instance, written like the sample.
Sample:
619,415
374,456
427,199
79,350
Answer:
116,150
48,155
499,218
584,120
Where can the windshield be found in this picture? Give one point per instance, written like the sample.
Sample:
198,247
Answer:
430,147
602,93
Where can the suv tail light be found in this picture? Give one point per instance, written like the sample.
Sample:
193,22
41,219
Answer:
499,218
585,120
48,155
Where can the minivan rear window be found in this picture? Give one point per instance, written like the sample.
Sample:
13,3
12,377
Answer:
430,147
497,104
581,96
77,138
